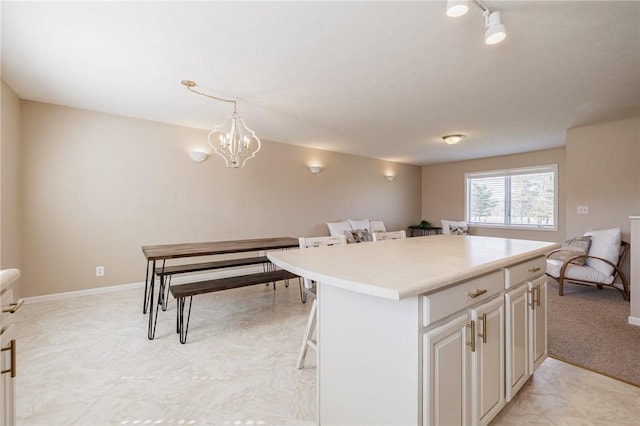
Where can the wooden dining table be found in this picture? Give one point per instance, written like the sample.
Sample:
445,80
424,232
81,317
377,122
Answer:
163,252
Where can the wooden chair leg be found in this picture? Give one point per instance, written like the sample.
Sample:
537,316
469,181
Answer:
308,335
560,286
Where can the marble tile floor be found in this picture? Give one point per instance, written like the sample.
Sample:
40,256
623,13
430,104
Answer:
87,361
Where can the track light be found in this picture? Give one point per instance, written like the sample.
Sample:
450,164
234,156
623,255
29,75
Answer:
457,8
495,32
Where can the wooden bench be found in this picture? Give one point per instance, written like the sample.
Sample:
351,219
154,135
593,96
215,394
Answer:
182,291
198,267
165,272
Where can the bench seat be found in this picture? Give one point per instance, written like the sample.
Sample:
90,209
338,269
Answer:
182,291
206,266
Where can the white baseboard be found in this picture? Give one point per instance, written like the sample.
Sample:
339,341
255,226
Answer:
78,293
178,279
634,320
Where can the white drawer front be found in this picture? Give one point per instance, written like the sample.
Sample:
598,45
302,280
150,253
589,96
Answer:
525,271
453,299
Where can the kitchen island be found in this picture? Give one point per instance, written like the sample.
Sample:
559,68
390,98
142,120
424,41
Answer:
428,330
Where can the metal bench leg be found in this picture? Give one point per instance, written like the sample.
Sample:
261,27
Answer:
145,302
164,289
153,319
165,292
181,327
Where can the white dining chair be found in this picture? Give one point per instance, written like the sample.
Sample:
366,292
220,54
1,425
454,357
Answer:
309,289
391,235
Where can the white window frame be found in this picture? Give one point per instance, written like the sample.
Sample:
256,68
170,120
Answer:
468,178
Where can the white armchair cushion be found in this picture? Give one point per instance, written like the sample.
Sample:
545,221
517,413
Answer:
360,224
446,223
584,273
605,243
377,226
338,228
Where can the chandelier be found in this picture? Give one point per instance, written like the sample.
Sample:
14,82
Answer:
231,140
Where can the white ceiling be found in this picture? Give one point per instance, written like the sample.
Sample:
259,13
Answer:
377,79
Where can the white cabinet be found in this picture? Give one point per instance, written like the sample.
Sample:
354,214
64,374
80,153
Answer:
475,361
537,322
446,366
487,362
525,332
8,344
7,362
463,359
516,339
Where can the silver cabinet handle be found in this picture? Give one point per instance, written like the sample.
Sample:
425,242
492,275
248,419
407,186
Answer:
472,343
12,348
484,328
476,292
535,296
532,303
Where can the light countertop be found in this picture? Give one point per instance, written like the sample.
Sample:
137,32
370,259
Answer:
397,269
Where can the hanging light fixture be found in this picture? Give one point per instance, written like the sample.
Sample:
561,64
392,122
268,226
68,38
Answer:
494,29
231,140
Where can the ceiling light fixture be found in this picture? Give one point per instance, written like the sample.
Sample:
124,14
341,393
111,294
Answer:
494,29
231,140
457,8
452,139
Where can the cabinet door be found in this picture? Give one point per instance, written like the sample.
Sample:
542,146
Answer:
516,340
487,362
537,323
445,369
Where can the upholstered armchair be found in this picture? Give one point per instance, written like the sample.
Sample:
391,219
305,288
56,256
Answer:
594,259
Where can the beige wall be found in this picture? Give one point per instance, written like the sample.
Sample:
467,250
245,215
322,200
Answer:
603,172
603,163
10,181
97,187
443,191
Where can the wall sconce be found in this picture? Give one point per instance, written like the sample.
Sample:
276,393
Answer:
198,156
315,169
389,177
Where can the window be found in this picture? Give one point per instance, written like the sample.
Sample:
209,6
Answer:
515,198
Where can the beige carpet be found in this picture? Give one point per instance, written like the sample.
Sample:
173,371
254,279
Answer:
589,328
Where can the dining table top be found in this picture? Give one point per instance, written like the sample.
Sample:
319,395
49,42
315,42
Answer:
174,251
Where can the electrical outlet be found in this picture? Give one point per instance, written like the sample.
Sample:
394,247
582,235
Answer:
99,271
583,209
